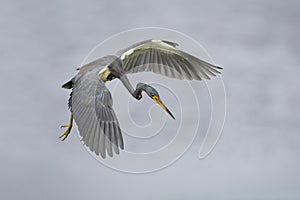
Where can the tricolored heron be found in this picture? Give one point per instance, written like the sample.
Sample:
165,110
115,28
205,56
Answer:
91,103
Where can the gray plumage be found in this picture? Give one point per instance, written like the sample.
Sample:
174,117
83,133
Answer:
162,57
91,103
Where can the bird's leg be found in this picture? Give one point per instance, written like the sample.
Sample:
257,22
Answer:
68,130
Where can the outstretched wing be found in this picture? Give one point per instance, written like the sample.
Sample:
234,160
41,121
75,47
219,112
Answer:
91,106
164,58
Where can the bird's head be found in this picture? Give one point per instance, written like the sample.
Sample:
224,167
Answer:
152,93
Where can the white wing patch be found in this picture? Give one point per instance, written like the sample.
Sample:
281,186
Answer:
160,43
151,44
127,53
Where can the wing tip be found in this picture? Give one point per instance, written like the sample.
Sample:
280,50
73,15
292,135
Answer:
217,68
173,44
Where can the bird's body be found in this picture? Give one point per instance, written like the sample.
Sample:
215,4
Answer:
91,103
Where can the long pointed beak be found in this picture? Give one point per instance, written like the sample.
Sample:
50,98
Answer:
161,104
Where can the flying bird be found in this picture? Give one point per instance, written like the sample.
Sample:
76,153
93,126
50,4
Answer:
91,103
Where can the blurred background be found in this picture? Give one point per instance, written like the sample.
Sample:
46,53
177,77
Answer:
257,44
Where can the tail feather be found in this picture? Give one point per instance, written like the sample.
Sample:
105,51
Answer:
68,85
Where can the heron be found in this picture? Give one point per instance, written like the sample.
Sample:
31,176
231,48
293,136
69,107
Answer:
91,104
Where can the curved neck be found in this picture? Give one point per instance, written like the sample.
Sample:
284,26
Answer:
128,86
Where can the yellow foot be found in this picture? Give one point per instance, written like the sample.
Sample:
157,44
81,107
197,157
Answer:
67,132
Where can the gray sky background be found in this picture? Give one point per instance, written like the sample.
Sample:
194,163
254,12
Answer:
257,43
